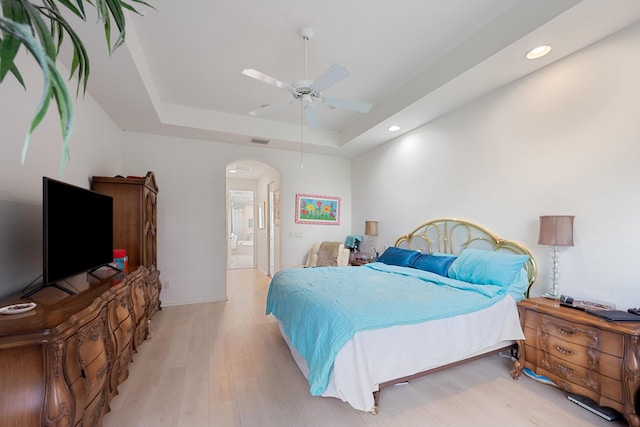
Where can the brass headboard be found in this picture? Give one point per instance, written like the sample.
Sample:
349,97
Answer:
451,236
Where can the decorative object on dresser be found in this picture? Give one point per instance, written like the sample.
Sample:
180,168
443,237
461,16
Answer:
135,221
61,363
555,230
583,354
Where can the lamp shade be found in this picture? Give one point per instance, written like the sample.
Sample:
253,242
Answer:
371,228
556,230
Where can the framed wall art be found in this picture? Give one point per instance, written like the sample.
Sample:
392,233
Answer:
261,215
276,207
313,209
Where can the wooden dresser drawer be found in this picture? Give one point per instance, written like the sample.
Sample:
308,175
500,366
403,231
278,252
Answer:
92,340
96,375
122,335
95,411
120,309
602,363
584,335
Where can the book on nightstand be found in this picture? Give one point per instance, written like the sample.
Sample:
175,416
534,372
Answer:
615,315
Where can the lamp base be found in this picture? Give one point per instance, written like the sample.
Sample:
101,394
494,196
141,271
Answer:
551,295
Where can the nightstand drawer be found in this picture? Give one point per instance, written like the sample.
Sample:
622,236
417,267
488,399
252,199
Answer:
577,333
592,360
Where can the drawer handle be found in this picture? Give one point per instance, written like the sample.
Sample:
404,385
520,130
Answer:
566,331
563,350
565,369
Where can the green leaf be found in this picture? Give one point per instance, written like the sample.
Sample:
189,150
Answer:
53,85
10,44
79,11
41,28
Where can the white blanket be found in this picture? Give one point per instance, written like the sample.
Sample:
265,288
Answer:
376,356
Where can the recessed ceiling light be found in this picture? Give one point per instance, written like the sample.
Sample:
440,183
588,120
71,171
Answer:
538,52
394,128
233,171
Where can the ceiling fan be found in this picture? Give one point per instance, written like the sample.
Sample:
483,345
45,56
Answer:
308,92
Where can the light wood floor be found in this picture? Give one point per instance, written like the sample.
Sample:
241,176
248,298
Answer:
225,364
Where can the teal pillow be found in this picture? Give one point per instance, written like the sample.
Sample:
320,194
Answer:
487,267
398,256
438,264
519,287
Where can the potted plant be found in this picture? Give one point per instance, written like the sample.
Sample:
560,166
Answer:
41,29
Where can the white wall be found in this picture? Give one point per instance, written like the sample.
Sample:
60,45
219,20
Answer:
96,149
192,237
564,140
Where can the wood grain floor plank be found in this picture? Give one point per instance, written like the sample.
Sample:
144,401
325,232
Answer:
225,364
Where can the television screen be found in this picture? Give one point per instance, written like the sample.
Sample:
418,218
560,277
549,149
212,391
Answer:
77,230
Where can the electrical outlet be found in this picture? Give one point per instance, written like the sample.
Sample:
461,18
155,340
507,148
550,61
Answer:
166,284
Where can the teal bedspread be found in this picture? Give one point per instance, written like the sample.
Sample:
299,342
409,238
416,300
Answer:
322,308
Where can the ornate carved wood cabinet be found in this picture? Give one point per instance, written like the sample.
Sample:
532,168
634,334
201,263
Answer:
61,363
583,354
135,221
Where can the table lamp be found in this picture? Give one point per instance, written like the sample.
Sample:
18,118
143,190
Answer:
555,230
371,229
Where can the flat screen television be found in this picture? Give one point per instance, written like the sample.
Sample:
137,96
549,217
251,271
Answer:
77,231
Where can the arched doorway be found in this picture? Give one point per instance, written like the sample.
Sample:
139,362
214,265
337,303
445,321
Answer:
252,237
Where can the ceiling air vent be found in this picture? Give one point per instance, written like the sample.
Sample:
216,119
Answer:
260,141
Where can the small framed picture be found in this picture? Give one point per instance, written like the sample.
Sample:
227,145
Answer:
261,215
313,209
276,207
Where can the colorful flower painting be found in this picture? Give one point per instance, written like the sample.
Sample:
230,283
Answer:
312,209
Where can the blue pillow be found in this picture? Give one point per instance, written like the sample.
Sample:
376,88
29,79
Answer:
519,287
438,264
487,267
398,256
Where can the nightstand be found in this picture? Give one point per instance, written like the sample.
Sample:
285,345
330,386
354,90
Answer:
583,354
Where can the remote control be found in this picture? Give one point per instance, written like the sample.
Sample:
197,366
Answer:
634,311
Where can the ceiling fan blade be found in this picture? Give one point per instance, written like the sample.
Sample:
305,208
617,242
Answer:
258,75
347,104
311,116
333,75
271,107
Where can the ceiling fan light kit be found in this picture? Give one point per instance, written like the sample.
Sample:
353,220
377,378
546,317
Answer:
308,92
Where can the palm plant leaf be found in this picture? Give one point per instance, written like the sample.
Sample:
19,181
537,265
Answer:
53,85
41,29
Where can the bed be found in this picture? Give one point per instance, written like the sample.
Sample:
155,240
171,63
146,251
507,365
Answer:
445,293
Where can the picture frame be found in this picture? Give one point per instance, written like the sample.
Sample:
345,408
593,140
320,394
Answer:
261,209
315,209
276,207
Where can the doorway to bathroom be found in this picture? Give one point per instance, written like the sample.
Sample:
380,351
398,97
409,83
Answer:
241,229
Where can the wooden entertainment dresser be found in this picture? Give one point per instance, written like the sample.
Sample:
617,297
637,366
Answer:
583,354
61,363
